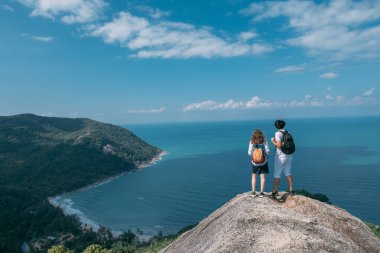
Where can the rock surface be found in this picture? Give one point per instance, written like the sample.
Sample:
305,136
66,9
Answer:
300,224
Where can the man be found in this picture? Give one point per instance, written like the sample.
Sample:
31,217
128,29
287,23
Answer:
282,162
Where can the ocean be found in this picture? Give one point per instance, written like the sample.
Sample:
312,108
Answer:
207,164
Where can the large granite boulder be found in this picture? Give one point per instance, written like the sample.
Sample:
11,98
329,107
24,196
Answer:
299,224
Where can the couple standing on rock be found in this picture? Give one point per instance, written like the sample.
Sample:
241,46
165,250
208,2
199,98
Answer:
259,150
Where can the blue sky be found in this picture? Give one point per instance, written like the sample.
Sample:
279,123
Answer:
177,60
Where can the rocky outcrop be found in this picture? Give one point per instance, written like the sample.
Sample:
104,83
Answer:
300,224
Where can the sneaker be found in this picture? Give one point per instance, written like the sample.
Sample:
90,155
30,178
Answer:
292,193
261,195
274,194
253,194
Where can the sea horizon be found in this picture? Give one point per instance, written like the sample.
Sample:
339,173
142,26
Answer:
249,120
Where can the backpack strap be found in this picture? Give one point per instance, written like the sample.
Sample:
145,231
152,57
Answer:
261,146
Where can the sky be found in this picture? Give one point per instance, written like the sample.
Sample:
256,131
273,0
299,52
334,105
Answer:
157,61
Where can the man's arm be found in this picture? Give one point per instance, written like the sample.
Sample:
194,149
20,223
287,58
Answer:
266,147
277,144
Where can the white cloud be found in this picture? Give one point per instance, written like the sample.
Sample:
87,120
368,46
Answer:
261,48
164,39
329,97
362,100
154,13
210,105
244,36
329,75
369,92
339,98
253,103
338,29
257,102
308,101
48,114
148,35
205,105
144,111
38,38
295,103
69,11
292,68
7,8
42,38
74,114
334,98
120,29
332,101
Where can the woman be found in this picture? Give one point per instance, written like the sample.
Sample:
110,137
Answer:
258,150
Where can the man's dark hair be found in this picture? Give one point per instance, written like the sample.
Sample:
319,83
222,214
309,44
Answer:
279,124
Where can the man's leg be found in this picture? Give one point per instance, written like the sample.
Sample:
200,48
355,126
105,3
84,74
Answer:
277,173
288,173
276,183
290,182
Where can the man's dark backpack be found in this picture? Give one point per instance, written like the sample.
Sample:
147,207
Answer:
288,146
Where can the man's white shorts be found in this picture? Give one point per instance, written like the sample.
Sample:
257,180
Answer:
282,164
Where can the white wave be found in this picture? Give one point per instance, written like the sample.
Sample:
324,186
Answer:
66,204
154,160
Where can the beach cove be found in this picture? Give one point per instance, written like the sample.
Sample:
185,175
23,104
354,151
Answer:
66,204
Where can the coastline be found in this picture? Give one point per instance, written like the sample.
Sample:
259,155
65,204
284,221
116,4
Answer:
153,161
99,182
66,204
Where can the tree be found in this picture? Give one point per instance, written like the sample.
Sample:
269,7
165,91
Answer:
128,237
94,248
59,249
318,196
123,247
104,237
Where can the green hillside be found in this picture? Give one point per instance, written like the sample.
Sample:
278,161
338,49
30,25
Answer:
46,156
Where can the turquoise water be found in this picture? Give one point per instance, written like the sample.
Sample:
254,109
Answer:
208,164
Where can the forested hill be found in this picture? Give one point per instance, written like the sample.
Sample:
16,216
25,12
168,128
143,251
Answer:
45,156
51,131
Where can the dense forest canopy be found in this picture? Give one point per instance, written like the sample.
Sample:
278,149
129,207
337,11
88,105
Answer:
45,156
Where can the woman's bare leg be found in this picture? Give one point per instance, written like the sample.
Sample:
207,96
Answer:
262,180
254,182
